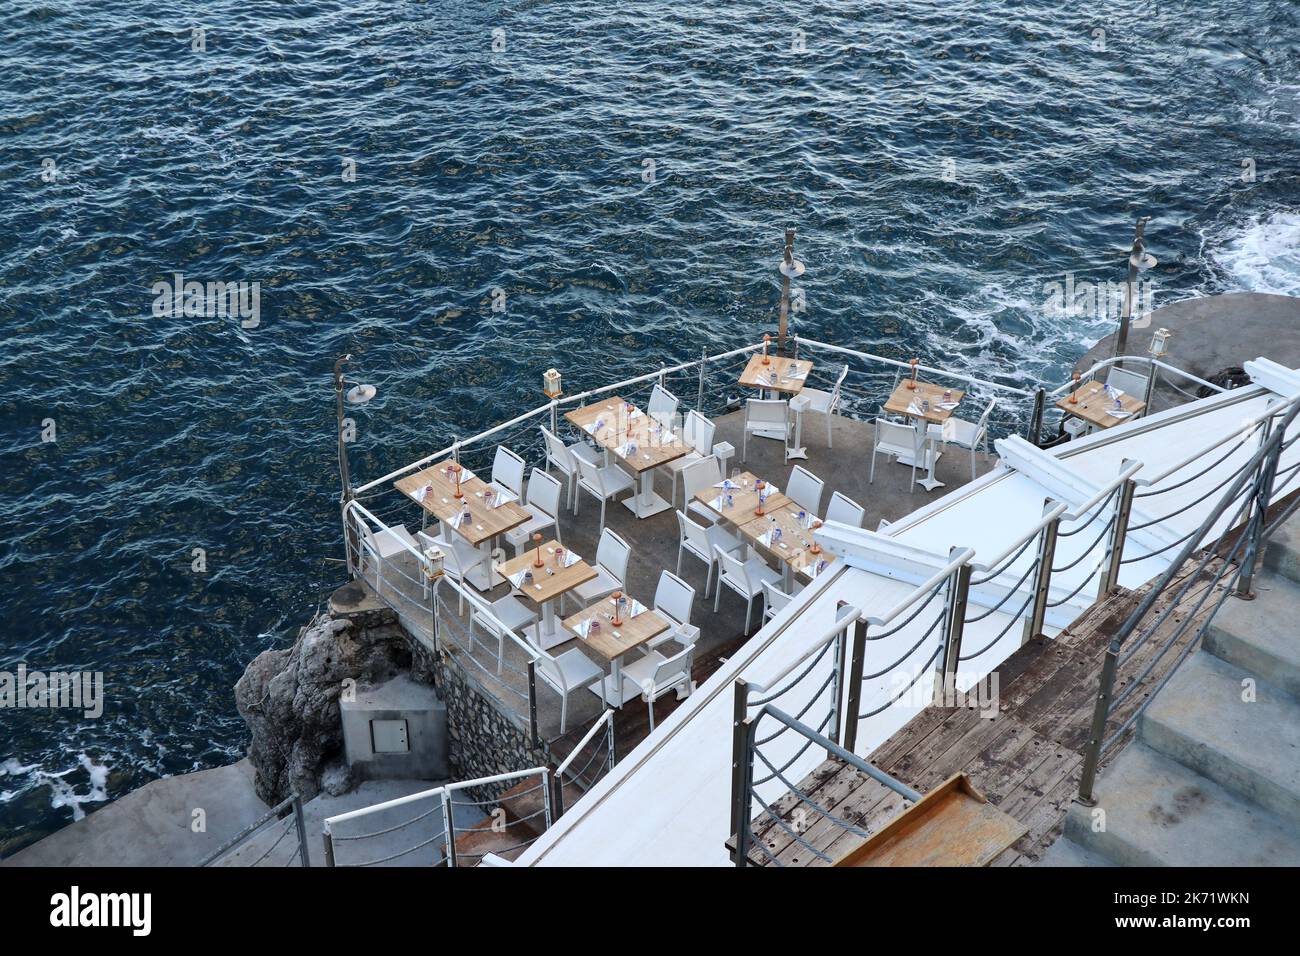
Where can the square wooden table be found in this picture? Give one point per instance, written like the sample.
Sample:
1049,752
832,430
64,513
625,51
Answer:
901,403
486,522
611,642
744,500
794,546
781,375
1093,405
549,583
655,446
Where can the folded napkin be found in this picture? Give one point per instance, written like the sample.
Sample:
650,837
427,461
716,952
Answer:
626,450
770,489
584,628
635,414
636,608
816,568
570,559
914,409
798,374
466,475
765,539
808,520
503,497
458,519
947,405
719,503
422,492
1117,413
517,579
668,438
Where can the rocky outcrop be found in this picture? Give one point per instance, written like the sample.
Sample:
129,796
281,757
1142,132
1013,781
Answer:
290,699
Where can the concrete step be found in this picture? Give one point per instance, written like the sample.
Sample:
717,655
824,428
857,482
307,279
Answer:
1251,749
1282,555
1259,636
1160,813
1065,852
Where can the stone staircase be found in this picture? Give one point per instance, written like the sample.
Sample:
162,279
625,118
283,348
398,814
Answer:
1213,776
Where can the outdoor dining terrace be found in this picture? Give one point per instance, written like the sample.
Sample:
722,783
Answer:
505,552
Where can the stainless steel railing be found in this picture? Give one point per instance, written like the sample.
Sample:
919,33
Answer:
283,820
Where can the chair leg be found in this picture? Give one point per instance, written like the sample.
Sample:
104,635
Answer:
972,462
709,582
564,713
873,465
828,428
749,613
501,652
717,595
681,547
650,705
744,445
603,502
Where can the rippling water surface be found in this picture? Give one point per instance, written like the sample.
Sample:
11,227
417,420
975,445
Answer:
521,168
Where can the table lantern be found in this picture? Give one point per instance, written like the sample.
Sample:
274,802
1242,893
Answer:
537,540
1160,343
455,476
433,563
1074,392
816,548
551,383
911,382
767,338
618,609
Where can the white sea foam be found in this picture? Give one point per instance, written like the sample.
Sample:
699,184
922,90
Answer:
1263,254
63,793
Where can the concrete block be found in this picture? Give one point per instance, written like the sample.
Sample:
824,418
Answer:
384,719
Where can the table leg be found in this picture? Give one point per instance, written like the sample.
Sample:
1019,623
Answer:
929,483
481,574
645,502
798,451
548,633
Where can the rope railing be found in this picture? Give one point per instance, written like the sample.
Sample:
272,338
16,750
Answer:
287,817
600,738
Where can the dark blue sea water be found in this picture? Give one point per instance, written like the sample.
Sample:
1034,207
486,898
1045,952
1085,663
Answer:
503,145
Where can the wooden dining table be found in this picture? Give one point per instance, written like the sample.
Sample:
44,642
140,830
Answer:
611,643
640,443
545,586
744,499
924,404
792,548
434,491
1094,406
785,375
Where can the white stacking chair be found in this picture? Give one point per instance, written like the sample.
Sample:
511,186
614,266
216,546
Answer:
699,541
495,618
674,599
612,556
767,415
773,600
603,482
827,403
745,578
508,471
700,476
655,675
543,503
845,510
562,457
964,434
567,673
388,543
663,407
896,440
805,489
1130,383
459,557
697,432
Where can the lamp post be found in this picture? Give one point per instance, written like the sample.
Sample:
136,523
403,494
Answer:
1139,260
791,268
358,394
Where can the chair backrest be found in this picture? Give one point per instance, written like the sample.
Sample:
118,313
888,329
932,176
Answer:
839,382
508,470
895,434
805,489
556,450
694,533
1128,382
674,596
845,510
544,492
766,413
982,425
776,598
663,405
589,473
550,670
673,671
612,554
732,567
698,432
701,474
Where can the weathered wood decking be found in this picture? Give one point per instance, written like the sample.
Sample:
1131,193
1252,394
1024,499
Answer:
1027,760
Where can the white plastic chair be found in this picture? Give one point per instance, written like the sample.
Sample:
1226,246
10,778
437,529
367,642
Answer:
543,503
663,406
896,440
697,432
700,476
569,672
827,403
612,557
964,434
764,415
388,543
604,483
845,510
508,471
805,489
562,457
504,612
699,541
655,675
674,599
745,578
773,600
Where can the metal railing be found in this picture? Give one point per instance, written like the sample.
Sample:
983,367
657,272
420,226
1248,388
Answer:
799,819
1245,506
595,764
286,818
440,827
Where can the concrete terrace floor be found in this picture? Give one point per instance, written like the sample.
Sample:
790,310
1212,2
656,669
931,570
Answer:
845,468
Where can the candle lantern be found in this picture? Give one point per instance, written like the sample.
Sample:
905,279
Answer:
433,563
1074,399
759,487
816,548
618,609
537,540
911,382
1160,343
767,338
455,476
551,383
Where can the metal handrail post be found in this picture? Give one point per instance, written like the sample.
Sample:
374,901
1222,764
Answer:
959,586
740,712
557,798
532,703
699,395
1260,499
449,828
1036,417
546,798
1100,713
837,705
746,797
301,826
1118,535
328,839
857,657
1043,579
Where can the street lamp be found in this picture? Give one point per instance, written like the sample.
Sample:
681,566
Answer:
791,268
1139,260
358,394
